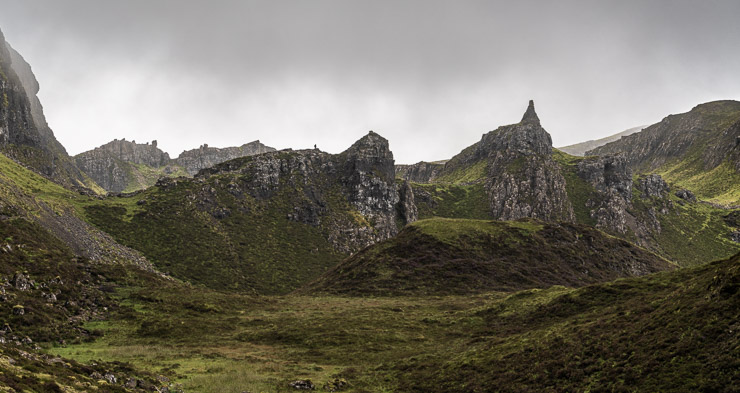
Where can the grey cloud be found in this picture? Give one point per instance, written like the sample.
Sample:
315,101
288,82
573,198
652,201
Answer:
431,76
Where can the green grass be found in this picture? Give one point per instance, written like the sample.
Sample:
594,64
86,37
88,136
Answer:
465,175
664,332
719,185
452,201
579,191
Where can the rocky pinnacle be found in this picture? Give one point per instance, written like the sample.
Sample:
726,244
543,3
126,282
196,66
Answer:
530,116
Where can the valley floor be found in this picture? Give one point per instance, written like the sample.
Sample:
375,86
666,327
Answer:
674,331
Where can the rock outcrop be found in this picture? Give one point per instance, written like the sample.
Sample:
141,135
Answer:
611,180
421,172
714,125
24,134
126,166
523,180
205,157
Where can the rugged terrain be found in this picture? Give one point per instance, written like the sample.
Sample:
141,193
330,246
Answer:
123,166
302,269
265,223
455,256
698,150
24,134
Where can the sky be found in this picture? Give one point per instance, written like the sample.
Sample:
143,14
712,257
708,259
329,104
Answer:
430,76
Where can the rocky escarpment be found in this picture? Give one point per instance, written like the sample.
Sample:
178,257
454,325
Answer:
523,179
710,130
127,166
267,222
698,150
24,134
123,165
515,165
205,157
421,172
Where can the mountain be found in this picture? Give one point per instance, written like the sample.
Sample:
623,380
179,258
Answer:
580,149
266,223
127,166
514,172
205,157
24,134
456,256
698,150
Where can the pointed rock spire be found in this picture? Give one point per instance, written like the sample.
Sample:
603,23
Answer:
530,116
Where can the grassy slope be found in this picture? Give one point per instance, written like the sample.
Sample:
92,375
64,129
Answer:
691,233
664,332
455,256
143,176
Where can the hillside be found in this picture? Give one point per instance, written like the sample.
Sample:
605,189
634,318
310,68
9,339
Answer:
264,223
24,134
453,256
580,149
670,332
698,150
127,166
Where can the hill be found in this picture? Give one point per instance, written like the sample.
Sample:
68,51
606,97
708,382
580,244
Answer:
580,149
454,256
673,331
698,150
266,223
127,166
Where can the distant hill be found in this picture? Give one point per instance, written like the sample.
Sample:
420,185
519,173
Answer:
580,149
127,166
454,256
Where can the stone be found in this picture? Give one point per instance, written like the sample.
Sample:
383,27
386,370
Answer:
530,116
130,383
421,172
686,195
18,310
110,378
653,186
21,282
302,384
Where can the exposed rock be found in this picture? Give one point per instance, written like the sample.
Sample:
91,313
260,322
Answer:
523,180
653,186
735,236
715,125
612,180
365,172
686,195
406,206
110,378
733,218
21,282
18,310
421,172
205,157
302,384
24,134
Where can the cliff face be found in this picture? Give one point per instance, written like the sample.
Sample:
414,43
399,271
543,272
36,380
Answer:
421,172
712,128
267,222
126,166
24,134
693,150
515,165
205,157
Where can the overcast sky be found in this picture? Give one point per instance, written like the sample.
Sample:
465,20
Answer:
431,76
